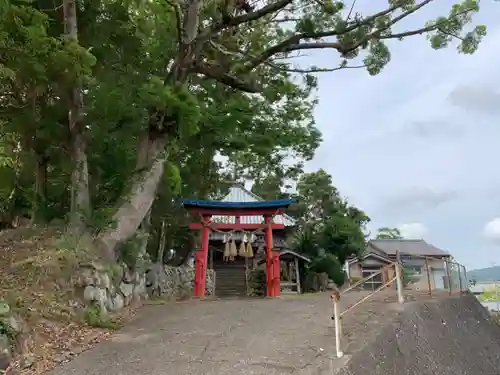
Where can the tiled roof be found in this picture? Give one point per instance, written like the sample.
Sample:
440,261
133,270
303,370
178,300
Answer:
238,193
368,255
407,247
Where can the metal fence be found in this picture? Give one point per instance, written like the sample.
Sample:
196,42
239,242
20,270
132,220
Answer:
435,275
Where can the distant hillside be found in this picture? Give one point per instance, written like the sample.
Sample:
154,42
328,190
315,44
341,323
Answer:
485,274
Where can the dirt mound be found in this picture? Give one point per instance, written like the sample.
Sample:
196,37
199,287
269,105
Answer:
446,336
35,266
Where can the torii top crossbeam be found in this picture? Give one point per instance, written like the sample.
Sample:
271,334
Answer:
209,208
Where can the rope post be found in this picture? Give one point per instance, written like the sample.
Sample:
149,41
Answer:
399,278
338,324
428,271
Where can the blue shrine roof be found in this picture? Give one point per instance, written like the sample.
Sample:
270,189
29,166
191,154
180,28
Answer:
221,205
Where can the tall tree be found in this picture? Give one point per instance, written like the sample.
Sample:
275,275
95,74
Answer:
170,85
36,69
389,233
80,196
241,46
331,229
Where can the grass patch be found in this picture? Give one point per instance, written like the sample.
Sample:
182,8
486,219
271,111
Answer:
94,317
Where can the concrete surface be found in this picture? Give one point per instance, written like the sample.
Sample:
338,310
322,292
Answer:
294,335
237,336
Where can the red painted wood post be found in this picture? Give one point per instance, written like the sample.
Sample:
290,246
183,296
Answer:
201,258
276,274
269,256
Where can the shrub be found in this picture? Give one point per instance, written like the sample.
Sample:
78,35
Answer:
94,317
330,265
355,279
257,282
408,275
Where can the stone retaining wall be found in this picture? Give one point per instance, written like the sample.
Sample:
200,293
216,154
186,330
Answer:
110,288
13,338
113,287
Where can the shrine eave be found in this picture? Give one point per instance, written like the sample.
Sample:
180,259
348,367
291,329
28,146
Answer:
240,206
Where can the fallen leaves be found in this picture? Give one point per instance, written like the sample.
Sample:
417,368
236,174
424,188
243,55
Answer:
31,285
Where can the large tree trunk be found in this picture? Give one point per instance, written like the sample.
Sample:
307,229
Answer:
80,197
151,152
138,200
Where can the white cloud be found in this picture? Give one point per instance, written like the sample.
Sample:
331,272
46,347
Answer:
491,230
413,230
410,153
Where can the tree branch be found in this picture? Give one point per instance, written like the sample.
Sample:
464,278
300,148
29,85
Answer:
314,45
178,12
436,26
293,43
315,70
377,33
190,22
244,18
351,10
450,34
295,39
221,75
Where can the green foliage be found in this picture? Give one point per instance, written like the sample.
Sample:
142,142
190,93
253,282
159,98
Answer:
355,279
236,90
448,29
331,230
408,276
94,317
257,282
130,250
330,265
491,294
388,233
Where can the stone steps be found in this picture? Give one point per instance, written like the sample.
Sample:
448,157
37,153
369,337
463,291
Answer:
231,280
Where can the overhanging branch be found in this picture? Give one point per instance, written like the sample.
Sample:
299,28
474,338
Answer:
294,43
315,70
219,74
244,18
178,12
294,40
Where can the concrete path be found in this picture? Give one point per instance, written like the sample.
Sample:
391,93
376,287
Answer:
291,335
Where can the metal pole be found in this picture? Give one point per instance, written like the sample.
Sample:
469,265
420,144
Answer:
448,275
466,279
496,296
399,280
338,328
459,278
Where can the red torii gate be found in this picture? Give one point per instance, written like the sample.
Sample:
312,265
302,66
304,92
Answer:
207,208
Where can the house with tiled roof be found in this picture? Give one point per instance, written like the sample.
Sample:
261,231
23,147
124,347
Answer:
415,255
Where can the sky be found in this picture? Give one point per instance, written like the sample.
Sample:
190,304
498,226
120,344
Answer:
416,146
